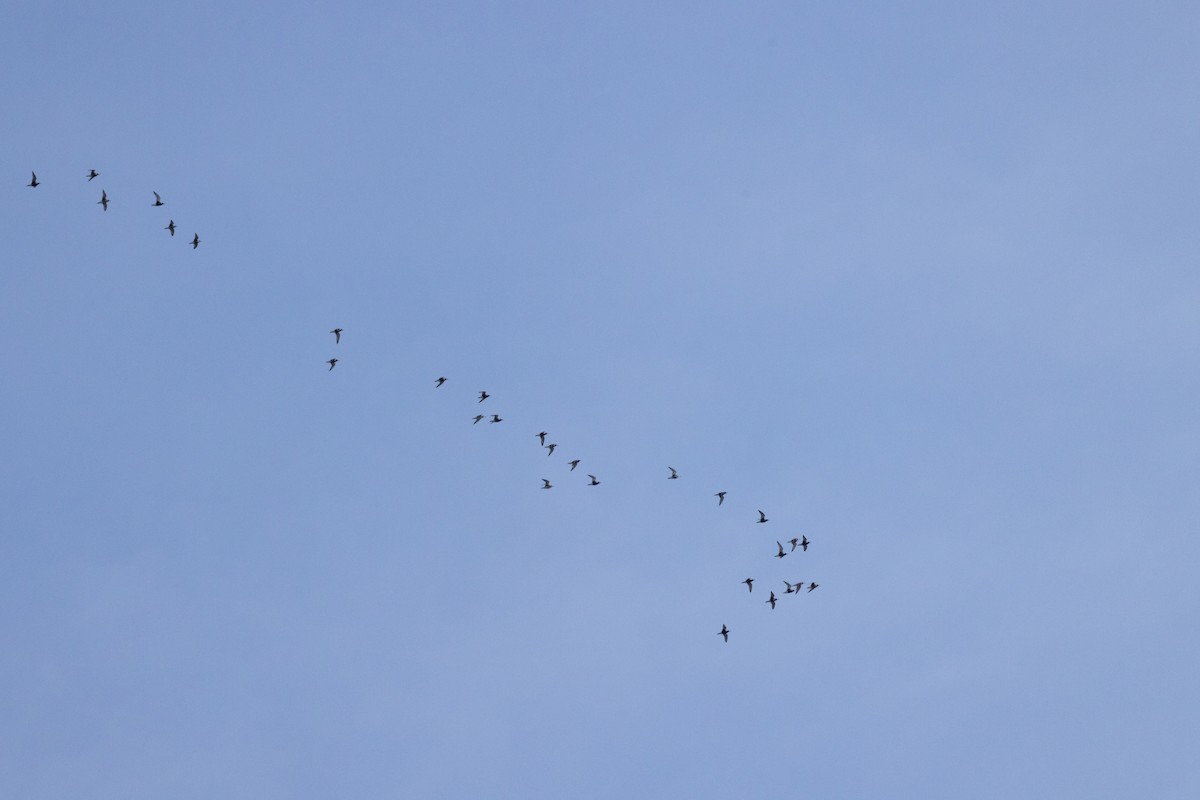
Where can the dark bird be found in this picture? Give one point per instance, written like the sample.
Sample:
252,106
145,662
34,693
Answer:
812,586
477,418
332,363
195,241
483,396
103,201
594,482
761,516
546,484
337,335
720,497
551,447
674,474
724,632
771,600
170,227
33,182
749,583
793,543
790,588
780,554
574,464
157,200
804,543
542,438
496,418
93,174
440,381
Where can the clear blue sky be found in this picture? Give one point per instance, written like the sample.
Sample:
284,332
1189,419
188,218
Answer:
920,282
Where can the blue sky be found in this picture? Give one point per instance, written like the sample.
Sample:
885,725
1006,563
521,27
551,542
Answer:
919,282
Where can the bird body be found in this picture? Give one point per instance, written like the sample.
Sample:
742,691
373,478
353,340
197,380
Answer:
551,447
674,475
724,632
103,201
780,554
477,418
771,600
761,516
804,543
541,437
337,335
574,464
749,583
93,174
496,418
157,200
440,381
483,396
170,227
720,497
195,241
594,482
34,182
812,586
547,484
332,363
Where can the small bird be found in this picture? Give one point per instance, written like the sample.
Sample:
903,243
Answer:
771,600
793,543
440,381
761,516
337,335
674,474
804,543
542,438
157,200
103,201
790,588
33,182
547,484
724,632
332,363
483,396
780,554
594,482
574,464
496,418
749,584
720,497
170,227
551,447
195,241
93,174
812,586
477,418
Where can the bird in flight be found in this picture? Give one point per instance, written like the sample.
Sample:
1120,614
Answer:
33,182
170,227
337,335
761,516
157,200
792,589
477,418
195,241
574,464
103,201
546,484
674,475
720,497
724,632
793,543
440,381
812,586
803,543
496,418
551,447
594,482
332,363
93,174
771,600
780,554
542,438
749,584
483,396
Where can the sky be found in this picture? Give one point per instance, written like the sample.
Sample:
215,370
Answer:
917,280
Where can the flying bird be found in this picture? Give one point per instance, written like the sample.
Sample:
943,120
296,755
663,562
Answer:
103,201
771,600
551,447
574,464
157,200
780,554
440,381
337,335
793,543
93,174
195,241
546,484
804,543
674,474
720,497
332,363
496,418
477,418
594,481
33,182
792,589
749,583
812,586
542,438
170,227
761,516
483,396
724,632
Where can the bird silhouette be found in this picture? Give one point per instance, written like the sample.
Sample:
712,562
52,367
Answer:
771,600
594,482
551,447
547,484
337,335
93,174
195,241
332,363
761,516
574,464
749,584
103,201
33,182
804,543
780,554
496,418
477,418
793,542
541,437
440,381
790,588
724,632
157,200
170,227
812,586
483,396
720,497
674,475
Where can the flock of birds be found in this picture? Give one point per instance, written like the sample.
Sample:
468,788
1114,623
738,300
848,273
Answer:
104,201
801,542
